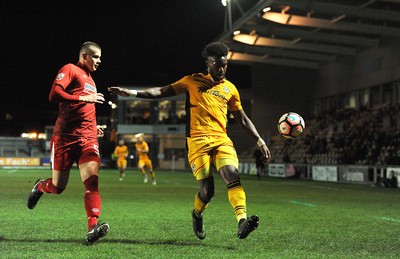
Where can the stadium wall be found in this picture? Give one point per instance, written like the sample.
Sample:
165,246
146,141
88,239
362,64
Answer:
278,89
371,67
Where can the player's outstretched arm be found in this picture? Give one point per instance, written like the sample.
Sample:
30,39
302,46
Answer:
119,91
150,93
247,125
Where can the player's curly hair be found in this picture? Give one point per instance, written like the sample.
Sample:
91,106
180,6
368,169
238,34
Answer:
215,49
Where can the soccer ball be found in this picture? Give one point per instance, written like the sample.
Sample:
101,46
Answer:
291,125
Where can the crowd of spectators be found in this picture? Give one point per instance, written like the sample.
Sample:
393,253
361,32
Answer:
349,136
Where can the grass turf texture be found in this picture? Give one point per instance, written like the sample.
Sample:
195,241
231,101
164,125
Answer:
298,219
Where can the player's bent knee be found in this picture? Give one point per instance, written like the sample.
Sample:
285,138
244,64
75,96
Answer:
91,184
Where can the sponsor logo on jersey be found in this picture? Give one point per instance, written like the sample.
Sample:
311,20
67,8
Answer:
193,166
216,93
95,210
60,76
96,149
89,89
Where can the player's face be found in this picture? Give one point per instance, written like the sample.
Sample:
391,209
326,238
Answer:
92,59
217,67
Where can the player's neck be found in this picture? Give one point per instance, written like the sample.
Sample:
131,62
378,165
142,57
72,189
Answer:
83,67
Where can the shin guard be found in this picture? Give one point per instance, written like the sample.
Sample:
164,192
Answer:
92,200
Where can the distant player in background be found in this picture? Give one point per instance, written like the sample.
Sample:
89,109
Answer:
260,165
75,138
142,149
121,152
209,97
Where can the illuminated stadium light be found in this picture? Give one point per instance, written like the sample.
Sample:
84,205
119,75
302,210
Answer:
113,105
267,9
230,54
224,2
236,32
33,135
246,39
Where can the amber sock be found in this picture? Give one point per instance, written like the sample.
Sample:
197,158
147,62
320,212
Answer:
237,198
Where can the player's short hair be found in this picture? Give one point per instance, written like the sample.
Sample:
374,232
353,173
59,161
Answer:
87,47
215,49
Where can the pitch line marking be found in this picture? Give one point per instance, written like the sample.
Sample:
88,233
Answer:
390,219
303,203
12,171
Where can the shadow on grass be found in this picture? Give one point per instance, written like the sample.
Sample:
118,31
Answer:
118,241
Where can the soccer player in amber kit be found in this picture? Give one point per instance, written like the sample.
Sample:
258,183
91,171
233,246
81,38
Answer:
121,152
209,97
75,136
142,149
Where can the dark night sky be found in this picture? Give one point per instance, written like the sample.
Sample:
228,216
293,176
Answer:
143,42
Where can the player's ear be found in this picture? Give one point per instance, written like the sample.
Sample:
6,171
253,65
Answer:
209,61
207,66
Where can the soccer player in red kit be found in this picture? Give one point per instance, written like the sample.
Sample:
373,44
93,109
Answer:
75,136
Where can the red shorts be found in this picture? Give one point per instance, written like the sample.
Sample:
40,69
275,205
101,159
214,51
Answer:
67,150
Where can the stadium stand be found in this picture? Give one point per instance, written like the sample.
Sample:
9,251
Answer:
21,147
346,137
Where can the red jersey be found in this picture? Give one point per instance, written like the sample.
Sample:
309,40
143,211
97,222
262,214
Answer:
75,118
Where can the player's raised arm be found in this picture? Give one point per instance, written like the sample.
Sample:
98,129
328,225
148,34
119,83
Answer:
151,93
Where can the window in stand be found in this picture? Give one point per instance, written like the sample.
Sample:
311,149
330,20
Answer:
137,112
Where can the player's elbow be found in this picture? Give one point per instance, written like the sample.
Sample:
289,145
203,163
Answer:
52,97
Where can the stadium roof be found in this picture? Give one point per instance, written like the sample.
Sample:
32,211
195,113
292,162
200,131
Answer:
308,34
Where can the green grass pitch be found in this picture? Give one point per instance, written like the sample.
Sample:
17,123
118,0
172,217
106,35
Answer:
298,219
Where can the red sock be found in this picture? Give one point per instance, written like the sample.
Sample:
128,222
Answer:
92,200
47,186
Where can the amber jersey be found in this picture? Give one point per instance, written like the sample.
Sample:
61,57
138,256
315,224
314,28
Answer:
121,151
75,118
142,146
207,110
